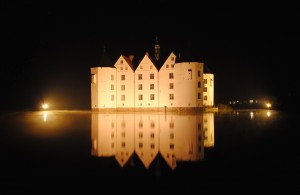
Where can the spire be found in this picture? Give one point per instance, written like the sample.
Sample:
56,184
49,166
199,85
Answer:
156,49
105,60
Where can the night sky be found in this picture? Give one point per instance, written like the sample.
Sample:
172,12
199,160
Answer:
48,48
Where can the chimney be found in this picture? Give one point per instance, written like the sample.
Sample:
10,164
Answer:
131,57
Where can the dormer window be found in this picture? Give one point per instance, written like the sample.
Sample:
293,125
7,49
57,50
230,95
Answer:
121,61
172,58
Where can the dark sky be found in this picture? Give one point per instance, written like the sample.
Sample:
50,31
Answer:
48,48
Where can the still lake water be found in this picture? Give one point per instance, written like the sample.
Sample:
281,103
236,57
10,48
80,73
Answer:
49,151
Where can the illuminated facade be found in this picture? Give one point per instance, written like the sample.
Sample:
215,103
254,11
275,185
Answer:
177,85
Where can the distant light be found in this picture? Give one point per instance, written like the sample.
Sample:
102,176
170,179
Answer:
251,101
268,113
268,105
45,106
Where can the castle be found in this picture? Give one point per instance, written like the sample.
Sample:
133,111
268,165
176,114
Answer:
179,84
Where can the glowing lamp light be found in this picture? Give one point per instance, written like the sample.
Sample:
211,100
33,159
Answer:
268,105
45,106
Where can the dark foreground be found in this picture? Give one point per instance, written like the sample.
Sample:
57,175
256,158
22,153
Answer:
253,151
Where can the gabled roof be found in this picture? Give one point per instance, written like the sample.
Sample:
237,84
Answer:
129,62
153,59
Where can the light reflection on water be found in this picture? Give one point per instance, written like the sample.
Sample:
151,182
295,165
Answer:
175,137
84,147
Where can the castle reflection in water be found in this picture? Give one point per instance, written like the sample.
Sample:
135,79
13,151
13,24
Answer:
176,137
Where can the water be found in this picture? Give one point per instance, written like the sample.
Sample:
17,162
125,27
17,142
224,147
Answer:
53,151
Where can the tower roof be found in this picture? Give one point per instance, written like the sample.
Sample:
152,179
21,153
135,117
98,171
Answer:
105,61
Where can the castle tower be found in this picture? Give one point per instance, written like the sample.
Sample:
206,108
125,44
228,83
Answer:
156,49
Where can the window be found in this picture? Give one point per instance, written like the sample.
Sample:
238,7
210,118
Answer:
140,134
112,97
172,66
205,97
152,145
152,124
151,86
152,135
140,145
122,77
112,87
121,61
171,75
126,68
189,74
151,76
172,146
151,96
172,125
112,77
112,135
123,87
171,85
140,97
121,67
93,78
171,96
211,82
123,134
171,135
172,58
141,67
205,81
199,73
199,84
199,96
151,66
123,97
140,76
167,66
140,87
205,89
141,125
123,145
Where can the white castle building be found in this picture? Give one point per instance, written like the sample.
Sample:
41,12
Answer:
178,84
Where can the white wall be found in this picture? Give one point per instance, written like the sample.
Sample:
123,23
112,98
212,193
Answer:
164,82
146,67
186,84
101,87
123,68
210,90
